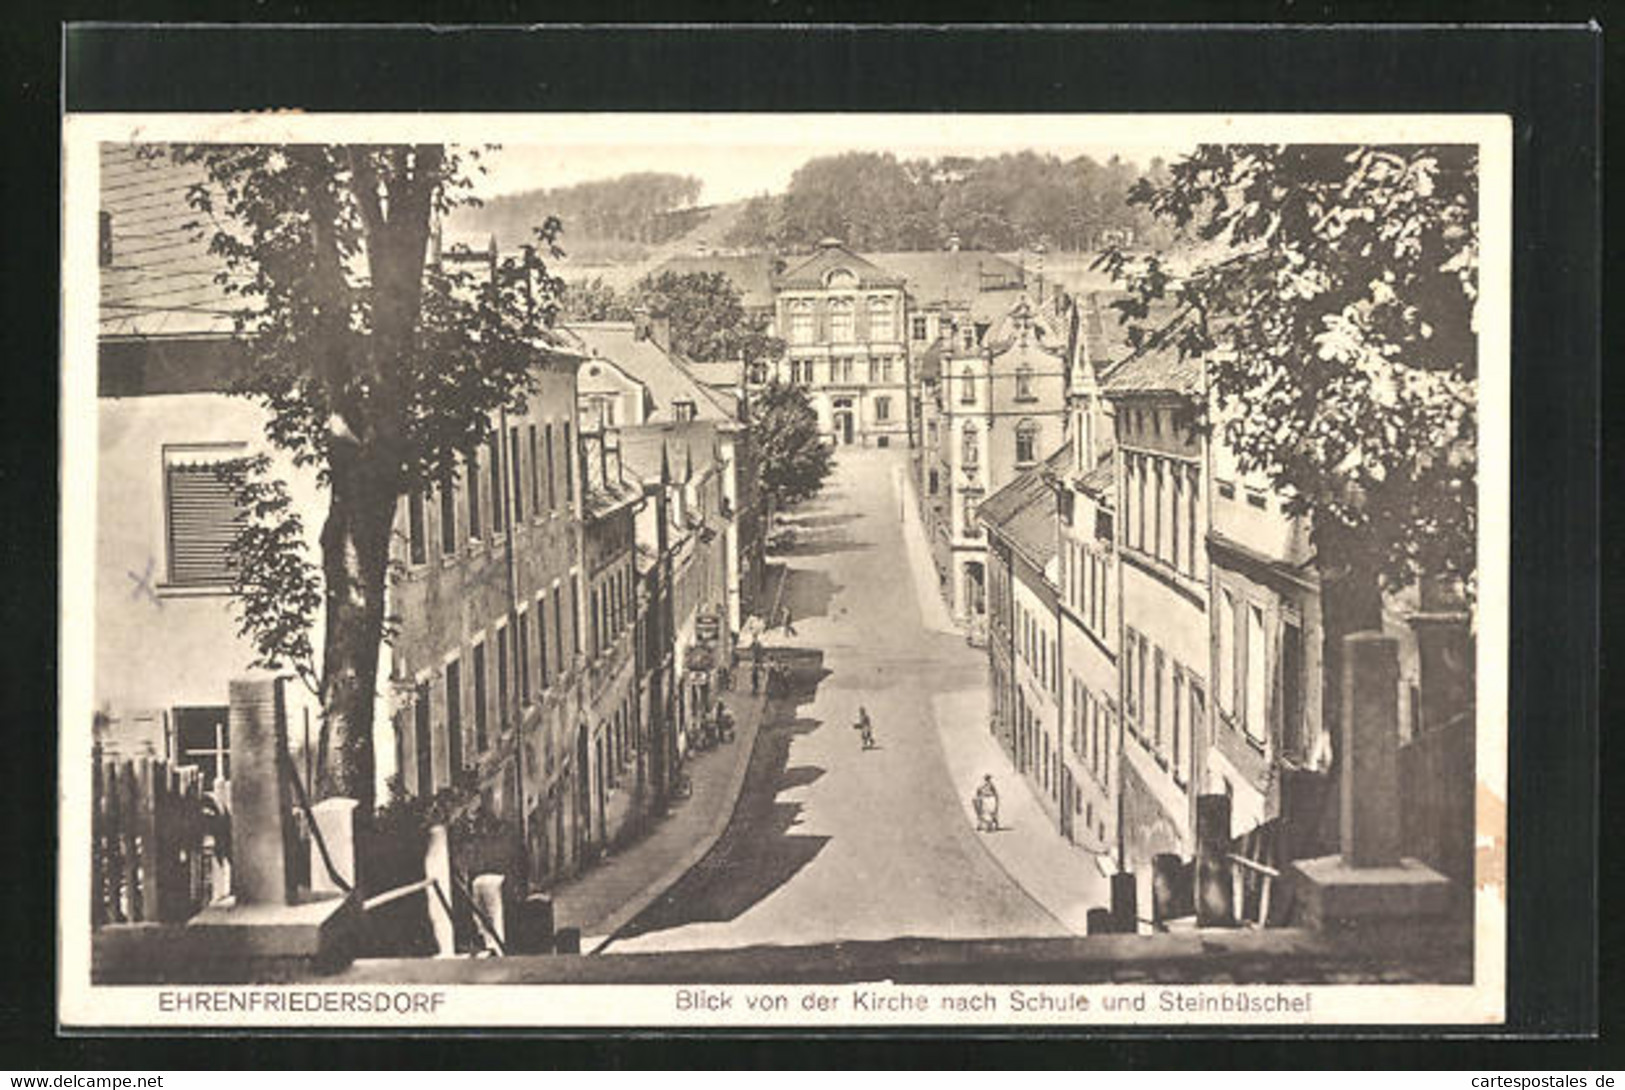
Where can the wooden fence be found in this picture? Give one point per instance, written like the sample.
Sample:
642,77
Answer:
153,847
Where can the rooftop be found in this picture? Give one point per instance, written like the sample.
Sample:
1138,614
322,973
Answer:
751,274
833,257
936,277
1023,511
665,376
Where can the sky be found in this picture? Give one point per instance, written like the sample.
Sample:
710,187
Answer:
737,156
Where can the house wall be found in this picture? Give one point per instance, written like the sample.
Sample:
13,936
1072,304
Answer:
1037,673
160,647
1089,604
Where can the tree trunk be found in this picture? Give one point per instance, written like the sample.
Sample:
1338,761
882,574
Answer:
355,564
1350,601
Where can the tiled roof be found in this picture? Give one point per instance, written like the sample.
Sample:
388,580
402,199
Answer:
935,277
751,274
831,256
683,443
1156,371
161,281
729,374
1099,480
663,375
1023,511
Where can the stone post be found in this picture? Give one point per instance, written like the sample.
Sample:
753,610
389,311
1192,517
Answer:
1125,906
1165,880
437,869
1215,892
335,824
259,803
488,896
1370,777
532,930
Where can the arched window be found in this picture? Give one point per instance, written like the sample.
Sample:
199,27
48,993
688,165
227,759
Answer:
967,387
882,327
1026,443
970,446
840,321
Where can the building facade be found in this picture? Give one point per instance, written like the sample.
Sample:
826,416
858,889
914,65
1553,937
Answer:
842,318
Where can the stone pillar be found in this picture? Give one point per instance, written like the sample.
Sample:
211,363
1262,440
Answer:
1370,777
532,930
437,868
258,723
488,896
1125,903
1165,881
1215,892
335,823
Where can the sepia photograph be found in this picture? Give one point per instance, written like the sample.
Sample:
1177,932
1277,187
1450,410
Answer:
749,569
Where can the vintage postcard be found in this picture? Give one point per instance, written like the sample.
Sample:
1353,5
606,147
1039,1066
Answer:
672,570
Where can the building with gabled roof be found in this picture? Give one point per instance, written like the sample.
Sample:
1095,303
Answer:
841,317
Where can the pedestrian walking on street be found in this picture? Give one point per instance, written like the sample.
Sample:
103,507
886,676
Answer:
784,619
866,729
755,678
986,802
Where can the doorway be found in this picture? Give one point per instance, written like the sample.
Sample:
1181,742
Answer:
843,427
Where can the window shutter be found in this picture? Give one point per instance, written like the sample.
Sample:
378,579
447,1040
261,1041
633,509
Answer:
203,523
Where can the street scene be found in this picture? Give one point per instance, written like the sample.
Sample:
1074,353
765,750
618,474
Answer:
966,558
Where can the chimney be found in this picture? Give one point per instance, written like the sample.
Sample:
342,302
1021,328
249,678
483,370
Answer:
641,323
660,331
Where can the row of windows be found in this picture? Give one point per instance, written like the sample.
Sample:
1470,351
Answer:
970,443
1023,378
1039,747
543,481
1163,703
1086,582
1092,722
1161,512
842,324
612,605
1036,646
845,370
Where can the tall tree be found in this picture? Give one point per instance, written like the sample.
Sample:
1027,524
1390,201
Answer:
794,458
378,369
708,320
1337,326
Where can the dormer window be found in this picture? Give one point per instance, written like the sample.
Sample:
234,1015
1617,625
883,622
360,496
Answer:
682,411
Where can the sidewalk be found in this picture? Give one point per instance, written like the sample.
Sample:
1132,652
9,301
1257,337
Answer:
1056,873
612,894
934,613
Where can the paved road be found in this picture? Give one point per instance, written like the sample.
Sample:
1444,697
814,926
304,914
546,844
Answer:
829,842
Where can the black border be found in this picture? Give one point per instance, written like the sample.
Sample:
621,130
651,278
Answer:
1548,79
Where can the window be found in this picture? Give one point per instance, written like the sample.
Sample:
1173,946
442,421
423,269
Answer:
1024,384
1198,712
1026,443
970,452
502,676
1257,674
454,715
882,408
1177,709
1190,504
1157,511
203,519
575,612
552,471
472,475
882,326
1156,703
516,470
558,629
494,449
841,369
840,321
801,324
1294,744
448,516
203,742
1176,497
967,387
544,676
1227,652
1139,503
919,327
417,546
1131,706
480,735
569,465
1227,490
971,528
522,651
535,476
423,740
683,410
